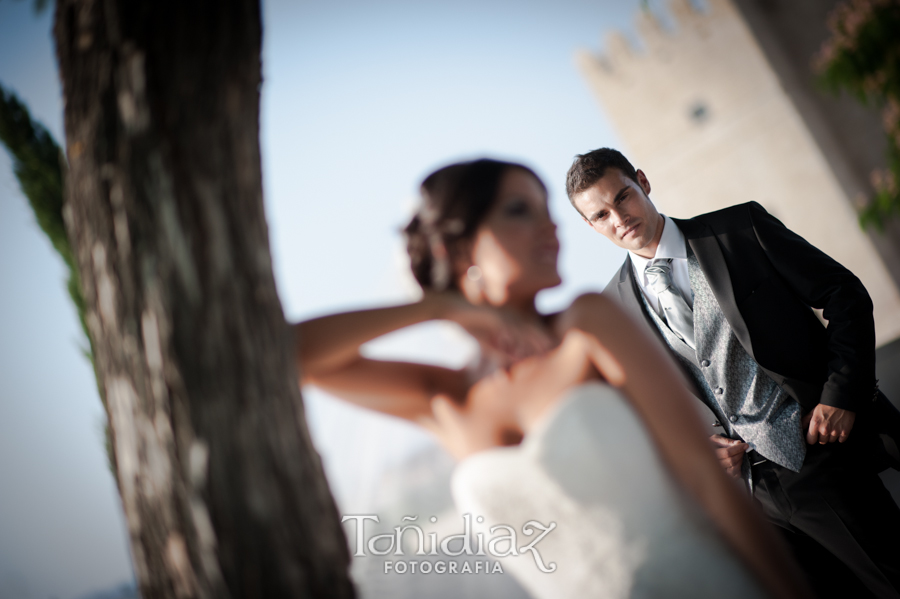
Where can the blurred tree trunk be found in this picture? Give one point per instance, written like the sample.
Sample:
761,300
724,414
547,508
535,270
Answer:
224,494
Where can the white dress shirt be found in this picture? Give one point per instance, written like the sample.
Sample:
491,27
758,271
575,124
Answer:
671,245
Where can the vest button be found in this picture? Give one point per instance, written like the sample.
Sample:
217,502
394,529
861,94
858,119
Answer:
705,363
733,418
720,391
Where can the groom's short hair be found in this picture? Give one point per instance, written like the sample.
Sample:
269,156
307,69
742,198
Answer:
589,168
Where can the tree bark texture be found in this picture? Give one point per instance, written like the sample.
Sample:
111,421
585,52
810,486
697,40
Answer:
223,492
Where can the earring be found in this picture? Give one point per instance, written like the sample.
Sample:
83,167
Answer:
473,273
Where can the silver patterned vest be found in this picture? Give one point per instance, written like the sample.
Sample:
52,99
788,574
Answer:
749,405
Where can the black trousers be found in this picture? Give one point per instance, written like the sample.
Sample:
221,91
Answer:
836,515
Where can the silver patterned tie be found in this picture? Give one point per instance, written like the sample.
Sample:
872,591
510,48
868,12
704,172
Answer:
677,313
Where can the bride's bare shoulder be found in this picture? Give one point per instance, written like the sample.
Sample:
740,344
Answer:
591,301
585,307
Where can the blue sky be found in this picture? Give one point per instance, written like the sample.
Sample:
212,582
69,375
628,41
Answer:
360,101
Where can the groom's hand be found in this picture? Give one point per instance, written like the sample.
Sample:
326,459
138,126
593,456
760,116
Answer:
730,453
826,424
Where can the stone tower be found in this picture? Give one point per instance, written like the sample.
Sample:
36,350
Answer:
702,111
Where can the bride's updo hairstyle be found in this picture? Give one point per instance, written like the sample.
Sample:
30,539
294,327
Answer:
455,200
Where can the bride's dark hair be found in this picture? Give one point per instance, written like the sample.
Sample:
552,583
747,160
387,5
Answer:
455,199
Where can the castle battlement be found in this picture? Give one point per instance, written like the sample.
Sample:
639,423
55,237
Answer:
656,41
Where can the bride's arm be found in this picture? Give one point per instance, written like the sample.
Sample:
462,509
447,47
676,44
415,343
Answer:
327,343
327,350
630,359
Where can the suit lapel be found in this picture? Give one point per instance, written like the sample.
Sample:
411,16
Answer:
630,297
706,247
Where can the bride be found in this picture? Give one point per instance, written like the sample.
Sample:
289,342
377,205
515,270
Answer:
575,418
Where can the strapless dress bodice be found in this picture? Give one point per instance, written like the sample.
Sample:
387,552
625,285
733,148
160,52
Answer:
623,528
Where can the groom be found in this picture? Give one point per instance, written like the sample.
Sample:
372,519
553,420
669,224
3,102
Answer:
731,294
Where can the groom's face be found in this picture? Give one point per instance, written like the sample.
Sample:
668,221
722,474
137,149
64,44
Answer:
619,208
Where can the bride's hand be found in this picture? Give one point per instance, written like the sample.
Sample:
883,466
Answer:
502,330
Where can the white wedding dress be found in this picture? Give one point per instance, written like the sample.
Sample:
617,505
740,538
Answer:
623,527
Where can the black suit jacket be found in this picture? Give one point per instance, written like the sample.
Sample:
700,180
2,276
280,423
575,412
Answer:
767,279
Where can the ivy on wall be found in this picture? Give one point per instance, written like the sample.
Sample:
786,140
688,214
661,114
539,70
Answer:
862,57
